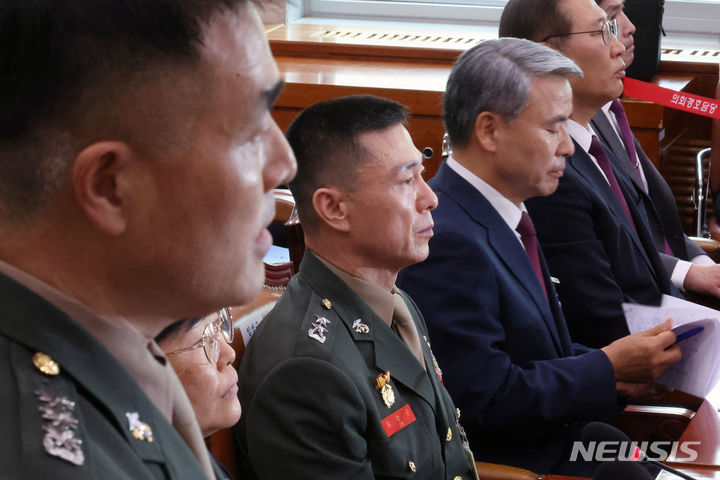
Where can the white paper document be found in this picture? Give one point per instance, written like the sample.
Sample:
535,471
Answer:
277,255
698,332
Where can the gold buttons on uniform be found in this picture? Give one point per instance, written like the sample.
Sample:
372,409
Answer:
457,477
448,437
45,364
412,466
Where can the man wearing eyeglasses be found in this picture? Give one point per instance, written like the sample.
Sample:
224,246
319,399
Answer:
594,229
687,264
524,387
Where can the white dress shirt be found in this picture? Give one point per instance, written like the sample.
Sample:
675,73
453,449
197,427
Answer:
509,212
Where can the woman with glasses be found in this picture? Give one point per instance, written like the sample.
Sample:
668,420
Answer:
200,352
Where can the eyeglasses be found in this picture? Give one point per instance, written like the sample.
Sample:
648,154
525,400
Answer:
210,341
608,28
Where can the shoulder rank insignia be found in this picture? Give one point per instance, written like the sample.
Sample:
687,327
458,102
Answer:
139,429
60,428
45,364
386,391
360,327
318,329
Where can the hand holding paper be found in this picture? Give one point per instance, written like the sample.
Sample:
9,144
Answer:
644,356
698,336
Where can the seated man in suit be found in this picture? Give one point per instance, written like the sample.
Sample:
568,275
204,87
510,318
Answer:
338,381
524,388
137,162
594,229
687,264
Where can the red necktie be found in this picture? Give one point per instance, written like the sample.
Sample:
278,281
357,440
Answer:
597,151
526,229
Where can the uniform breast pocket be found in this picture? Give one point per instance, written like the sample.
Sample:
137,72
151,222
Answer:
404,447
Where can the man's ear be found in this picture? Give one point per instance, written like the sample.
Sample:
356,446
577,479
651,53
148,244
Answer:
486,129
95,182
330,204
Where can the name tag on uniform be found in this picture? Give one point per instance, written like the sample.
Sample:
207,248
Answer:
398,420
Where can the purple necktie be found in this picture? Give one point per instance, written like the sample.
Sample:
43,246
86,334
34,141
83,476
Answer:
622,121
526,229
597,151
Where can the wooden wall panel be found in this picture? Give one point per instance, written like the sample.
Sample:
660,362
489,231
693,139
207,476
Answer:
320,62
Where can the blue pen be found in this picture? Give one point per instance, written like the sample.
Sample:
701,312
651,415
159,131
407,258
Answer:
690,333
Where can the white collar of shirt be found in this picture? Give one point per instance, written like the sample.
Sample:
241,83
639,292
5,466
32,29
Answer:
580,134
613,121
509,212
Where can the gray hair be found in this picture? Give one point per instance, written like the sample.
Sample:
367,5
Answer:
495,76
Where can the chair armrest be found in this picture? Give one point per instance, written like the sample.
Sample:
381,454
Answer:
709,246
664,420
494,471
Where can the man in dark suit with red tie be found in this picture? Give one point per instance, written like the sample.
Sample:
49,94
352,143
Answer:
686,263
594,229
496,326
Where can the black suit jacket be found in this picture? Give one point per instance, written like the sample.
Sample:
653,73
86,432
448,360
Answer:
659,200
102,390
524,388
312,410
599,257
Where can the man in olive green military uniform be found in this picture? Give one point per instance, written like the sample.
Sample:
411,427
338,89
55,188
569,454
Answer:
339,380
137,158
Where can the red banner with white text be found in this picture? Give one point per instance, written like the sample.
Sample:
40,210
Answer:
666,97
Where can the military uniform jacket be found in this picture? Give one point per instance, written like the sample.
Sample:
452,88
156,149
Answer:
86,420
311,406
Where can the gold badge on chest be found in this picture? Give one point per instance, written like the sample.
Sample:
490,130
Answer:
45,364
386,390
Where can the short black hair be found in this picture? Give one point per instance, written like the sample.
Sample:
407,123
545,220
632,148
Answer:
52,53
324,140
183,325
534,20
